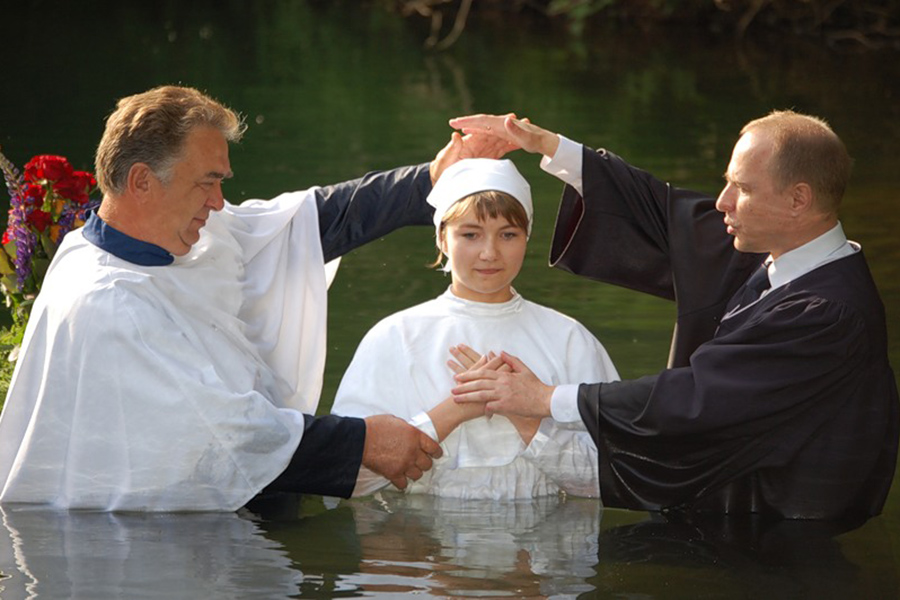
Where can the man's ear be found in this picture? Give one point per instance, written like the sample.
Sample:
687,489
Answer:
141,180
801,197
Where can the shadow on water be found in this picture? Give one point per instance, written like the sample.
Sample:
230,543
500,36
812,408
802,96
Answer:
331,90
704,556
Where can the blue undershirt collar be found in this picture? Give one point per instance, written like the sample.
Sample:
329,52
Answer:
123,246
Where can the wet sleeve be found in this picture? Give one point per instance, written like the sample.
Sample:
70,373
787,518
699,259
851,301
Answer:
328,459
749,400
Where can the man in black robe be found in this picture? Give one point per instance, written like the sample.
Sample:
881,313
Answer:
781,403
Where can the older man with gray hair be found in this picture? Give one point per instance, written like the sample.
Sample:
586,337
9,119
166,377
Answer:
174,358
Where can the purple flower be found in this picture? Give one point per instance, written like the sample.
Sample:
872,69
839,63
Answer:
45,204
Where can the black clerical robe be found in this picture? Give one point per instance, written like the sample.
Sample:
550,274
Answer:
788,408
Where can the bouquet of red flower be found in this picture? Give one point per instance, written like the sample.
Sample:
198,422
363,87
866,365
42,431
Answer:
46,203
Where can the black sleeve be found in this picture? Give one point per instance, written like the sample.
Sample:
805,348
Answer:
359,211
744,422
633,230
623,398
328,458
618,232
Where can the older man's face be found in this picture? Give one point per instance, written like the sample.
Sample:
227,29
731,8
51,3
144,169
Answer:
757,210
182,206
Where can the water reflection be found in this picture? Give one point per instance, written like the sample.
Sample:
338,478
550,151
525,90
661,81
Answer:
378,547
437,547
535,549
393,544
91,555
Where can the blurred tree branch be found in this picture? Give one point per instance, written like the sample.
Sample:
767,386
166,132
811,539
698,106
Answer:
432,10
867,24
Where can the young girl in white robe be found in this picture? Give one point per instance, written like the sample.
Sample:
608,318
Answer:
483,214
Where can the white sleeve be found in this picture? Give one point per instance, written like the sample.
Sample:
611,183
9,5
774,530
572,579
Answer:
144,379
285,289
562,447
566,164
568,457
564,403
379,380
368,482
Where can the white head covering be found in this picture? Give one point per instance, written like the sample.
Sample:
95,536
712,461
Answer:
472,175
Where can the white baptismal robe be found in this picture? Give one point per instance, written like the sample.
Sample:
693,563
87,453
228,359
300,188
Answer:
171,388
400,368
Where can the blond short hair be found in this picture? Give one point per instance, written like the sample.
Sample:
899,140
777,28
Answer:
151,127
805,149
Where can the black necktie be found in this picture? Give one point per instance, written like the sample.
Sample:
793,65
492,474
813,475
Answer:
753,289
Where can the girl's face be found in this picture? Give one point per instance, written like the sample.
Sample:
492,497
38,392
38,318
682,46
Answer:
485,256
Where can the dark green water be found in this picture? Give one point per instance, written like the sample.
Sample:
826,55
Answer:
332,92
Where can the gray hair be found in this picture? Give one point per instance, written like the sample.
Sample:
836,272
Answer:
151,127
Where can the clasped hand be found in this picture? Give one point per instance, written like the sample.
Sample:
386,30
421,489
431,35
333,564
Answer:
500,385
515,132
472,145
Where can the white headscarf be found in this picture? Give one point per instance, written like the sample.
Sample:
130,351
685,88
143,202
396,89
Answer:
472,175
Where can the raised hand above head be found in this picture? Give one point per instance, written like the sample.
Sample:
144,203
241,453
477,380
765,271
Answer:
485,145
445,157
520,133
473,145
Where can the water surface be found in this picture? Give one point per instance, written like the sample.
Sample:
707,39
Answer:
331,91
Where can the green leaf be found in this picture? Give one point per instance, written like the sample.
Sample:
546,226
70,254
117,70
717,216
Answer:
10,249
48,246
39,268
6,264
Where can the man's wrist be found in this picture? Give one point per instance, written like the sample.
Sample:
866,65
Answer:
564,404
549,144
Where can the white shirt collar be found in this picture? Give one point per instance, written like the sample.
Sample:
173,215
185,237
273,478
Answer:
828,247
475,310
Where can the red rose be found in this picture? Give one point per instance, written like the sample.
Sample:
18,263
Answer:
34,194
87,178
76,187
91,176
47,166
39,219
5,237
86,183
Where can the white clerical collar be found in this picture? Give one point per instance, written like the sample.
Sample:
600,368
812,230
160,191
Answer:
828,247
